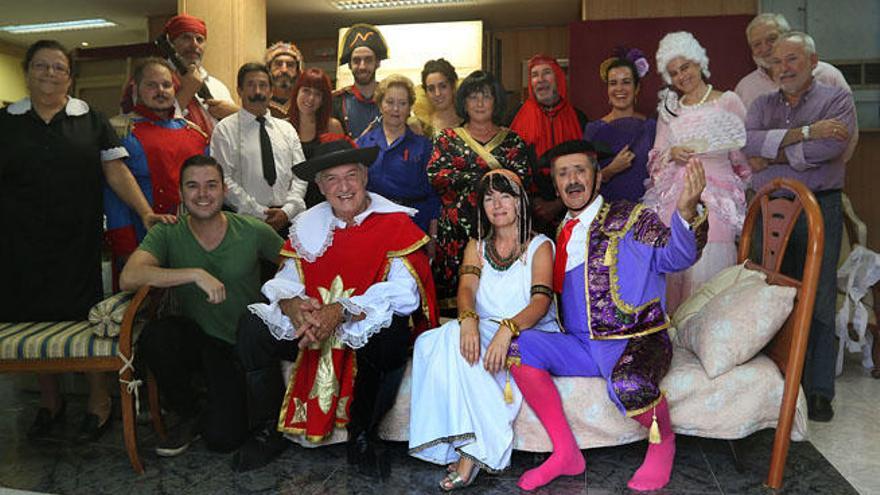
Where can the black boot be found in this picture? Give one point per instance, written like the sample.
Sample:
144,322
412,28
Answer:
265,443
265,390
261,448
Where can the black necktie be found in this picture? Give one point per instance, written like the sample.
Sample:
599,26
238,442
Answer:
266,152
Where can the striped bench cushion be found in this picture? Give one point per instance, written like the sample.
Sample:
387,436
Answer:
53,340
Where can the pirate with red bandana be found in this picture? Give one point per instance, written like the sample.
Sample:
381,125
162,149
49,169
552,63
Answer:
189,36
547,118
363,49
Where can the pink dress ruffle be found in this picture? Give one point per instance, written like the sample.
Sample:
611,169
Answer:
717,130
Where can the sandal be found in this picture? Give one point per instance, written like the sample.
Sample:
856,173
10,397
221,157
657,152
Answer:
453,481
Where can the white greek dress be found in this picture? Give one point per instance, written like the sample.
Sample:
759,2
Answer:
457,409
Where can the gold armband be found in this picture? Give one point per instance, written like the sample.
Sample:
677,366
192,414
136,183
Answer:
542,289
468,313
470,270
511,325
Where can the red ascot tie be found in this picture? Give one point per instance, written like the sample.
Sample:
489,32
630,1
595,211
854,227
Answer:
562,254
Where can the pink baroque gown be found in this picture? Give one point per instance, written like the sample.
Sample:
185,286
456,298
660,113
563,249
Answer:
716,131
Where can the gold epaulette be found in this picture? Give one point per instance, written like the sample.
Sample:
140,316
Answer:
123,124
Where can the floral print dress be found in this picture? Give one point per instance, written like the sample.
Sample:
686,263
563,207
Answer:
455,169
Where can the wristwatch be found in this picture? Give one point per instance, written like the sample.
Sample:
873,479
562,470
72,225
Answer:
805,131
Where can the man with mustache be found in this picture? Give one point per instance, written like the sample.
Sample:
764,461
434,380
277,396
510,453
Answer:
285,63
546,119
610,271
189,36
258,152
802,131
158,140
363,49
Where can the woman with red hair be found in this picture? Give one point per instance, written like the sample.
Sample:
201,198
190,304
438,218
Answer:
310,116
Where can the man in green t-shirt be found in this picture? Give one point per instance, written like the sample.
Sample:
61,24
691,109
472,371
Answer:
211,260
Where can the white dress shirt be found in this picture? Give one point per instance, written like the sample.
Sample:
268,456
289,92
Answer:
312,231
236,145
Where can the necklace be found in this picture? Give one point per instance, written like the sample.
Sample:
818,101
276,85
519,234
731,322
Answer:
702,100
497,261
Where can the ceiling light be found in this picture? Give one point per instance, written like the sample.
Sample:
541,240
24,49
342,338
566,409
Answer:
47,27
389,4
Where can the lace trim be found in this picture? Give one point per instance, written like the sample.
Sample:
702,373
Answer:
478,463
301,249
372,323
277,331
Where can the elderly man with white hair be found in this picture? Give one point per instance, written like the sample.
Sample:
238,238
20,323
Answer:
762,33
801,132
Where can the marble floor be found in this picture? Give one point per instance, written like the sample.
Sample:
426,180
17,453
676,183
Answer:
840,460
851,442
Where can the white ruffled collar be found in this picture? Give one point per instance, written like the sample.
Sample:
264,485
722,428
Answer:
75,107
311,232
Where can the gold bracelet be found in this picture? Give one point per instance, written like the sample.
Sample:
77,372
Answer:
470,270
543,290
511,325
468,313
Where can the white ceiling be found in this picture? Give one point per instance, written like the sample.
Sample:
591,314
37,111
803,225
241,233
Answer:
287,19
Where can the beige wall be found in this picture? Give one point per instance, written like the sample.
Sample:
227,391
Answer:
863,182
236,34
12,86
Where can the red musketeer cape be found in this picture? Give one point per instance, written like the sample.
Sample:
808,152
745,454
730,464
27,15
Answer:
321,388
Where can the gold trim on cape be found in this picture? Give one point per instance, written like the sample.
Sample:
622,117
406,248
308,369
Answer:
614,288
423,294
409,250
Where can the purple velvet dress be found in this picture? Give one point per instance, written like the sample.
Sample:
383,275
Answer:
613,308
639,135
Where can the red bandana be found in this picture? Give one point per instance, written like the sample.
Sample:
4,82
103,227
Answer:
185,23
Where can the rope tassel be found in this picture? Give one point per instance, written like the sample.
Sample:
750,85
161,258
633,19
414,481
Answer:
654,432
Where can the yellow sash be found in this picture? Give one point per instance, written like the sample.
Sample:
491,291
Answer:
485,152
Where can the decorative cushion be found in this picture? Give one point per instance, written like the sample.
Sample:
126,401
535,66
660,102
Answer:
724,279
106,316
737,323
53,340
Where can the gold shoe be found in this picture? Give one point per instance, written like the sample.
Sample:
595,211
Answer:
453,481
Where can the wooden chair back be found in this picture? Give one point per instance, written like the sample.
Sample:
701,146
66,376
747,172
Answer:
779,204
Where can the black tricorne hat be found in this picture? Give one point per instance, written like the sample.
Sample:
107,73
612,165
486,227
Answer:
570,147
332,154
363,35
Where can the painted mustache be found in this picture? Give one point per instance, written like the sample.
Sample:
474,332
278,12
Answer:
572,188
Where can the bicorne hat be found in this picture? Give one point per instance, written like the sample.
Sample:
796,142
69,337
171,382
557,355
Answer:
363,35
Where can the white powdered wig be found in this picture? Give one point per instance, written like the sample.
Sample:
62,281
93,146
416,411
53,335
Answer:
681,44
